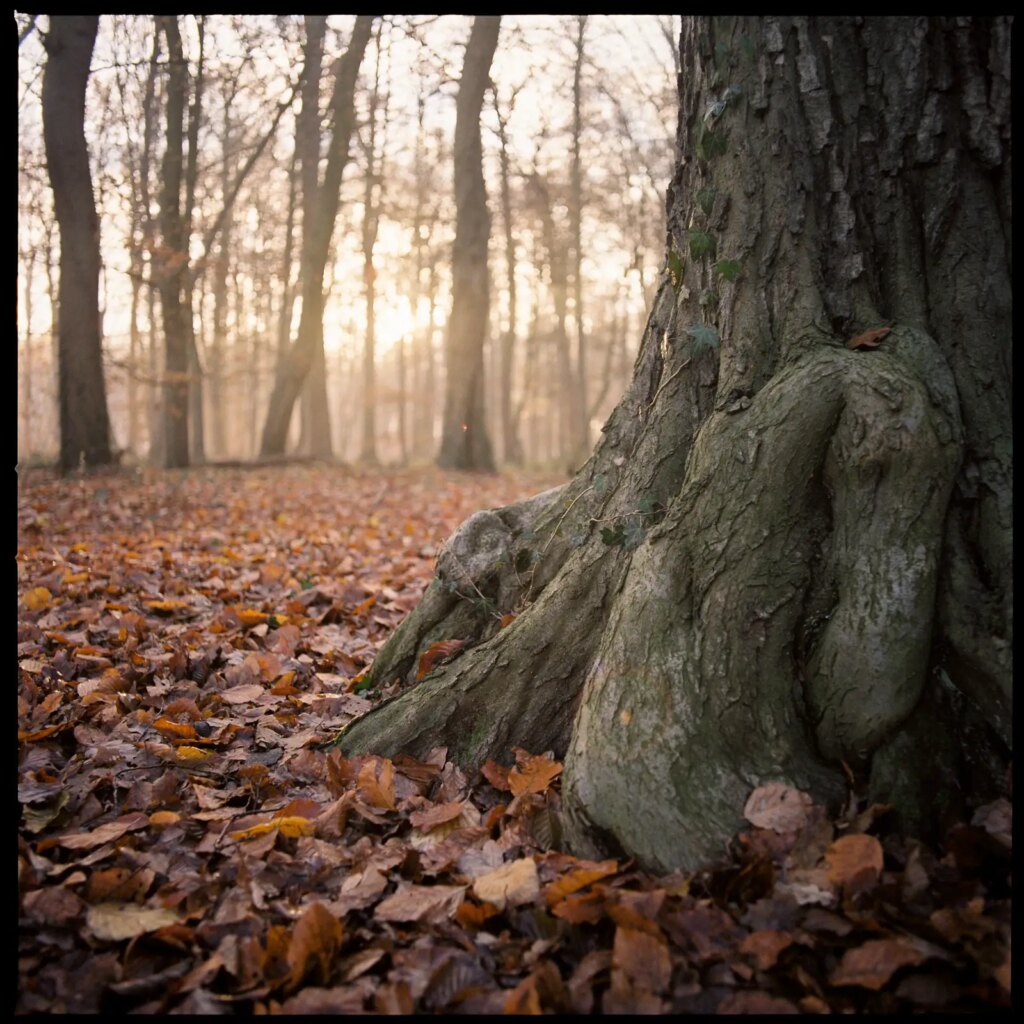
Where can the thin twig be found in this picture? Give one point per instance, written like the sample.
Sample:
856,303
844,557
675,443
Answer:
471,583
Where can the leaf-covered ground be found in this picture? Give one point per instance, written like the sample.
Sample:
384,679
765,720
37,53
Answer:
186,644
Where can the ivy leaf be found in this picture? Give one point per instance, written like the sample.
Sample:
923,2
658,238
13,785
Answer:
706,199
729,269
613,537
702,337
731,94
701,243
709,144
600,484
632,535
675,268
709,297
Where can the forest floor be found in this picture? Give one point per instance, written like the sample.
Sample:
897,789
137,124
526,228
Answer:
187,642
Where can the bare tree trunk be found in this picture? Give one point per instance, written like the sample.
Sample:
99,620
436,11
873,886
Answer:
464,441
26,403
512,449
787,553
172,261
316,239
582,440
372,188
84,423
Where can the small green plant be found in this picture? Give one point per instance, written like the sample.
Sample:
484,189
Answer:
706,199
729,269
701,243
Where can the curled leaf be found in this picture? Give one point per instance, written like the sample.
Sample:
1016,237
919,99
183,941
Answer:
869,339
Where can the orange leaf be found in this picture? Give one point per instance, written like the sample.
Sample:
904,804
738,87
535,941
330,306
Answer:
436,653
578,878
869,339
854,862
532,774
377,783
251,617
183,730
506,619
166,607
161,819
36,598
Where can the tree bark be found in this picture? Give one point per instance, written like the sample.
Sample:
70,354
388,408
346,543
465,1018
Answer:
464,440
172,262
784,554
84,422
316,243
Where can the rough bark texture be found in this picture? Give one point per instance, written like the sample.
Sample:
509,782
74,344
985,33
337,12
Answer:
464,440
316,243
84,425
784,554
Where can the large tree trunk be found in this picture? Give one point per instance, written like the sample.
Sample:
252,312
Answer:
464,440
784,554
317,228
84,423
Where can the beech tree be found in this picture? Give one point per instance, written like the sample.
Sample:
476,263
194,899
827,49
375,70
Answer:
789,556
84,423
464,440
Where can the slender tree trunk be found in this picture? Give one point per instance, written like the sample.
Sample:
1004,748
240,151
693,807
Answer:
84,423
787,558
582,426
316,240
172,262
464,441
512,450
26,405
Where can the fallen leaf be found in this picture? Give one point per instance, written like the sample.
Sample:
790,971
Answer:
436,653
532,774
377,783
315,940
103,834
765,946
510,885
243,694
644,957
37,598
420,903
578,878
116,921
778,807
874,963
869,339
854,862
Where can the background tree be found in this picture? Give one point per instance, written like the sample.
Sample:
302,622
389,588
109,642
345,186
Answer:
789,556
84,424
316,240
464,440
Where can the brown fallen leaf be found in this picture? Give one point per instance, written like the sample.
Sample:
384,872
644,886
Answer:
578,878
854,862
869,339
315,940
778,807
643,957
420,903
765,946
437,653
532,774
512,884
377,783
874,963
103,834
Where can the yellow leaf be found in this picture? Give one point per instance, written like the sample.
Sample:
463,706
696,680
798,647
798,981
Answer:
75,577
294,826
36,598
192,754
251,617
